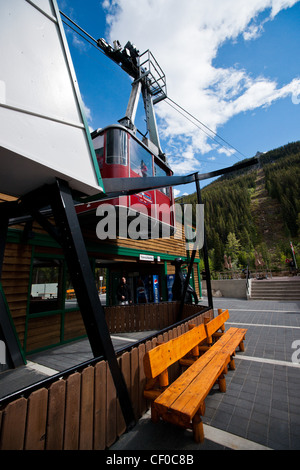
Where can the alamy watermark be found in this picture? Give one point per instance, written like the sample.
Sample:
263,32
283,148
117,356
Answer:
141,222
296,354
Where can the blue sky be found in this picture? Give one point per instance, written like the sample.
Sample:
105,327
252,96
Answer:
232,64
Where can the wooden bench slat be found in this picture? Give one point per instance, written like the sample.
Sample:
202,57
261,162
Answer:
187,393
230,340
216,323
160,358
189,402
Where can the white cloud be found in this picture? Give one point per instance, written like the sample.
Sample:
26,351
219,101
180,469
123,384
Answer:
87,111
79,44
185,41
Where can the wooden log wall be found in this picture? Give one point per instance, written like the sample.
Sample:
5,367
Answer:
81,411
45,331
15,282
169,245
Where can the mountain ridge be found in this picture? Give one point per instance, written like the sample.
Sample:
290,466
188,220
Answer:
254,210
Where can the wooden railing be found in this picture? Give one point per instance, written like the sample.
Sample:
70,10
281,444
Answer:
145,317
80,410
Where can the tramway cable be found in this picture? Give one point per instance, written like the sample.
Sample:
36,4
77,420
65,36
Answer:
194,120
209,136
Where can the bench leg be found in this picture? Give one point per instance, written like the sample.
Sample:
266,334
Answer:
222,383
232,364
154,414
241,346
198,430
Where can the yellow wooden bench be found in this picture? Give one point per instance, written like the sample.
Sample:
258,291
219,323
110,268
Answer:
215,329
182,402
158,360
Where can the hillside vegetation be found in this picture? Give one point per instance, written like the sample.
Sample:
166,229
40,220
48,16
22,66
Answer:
256,211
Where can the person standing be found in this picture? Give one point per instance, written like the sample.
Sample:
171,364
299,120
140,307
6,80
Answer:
124,293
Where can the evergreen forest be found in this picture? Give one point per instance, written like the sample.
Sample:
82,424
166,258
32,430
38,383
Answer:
254,213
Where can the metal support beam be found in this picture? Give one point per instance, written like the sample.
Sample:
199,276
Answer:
206,264
150,118
85,288
129,119
14,356
67,233
127,186
205,253
3,234
186,283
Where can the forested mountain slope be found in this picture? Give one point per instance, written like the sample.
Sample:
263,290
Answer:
257,209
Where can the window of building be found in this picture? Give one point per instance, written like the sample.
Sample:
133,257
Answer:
51,287
46,287
70,299
100,279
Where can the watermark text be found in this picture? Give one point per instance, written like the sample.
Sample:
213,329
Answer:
141,222
296,354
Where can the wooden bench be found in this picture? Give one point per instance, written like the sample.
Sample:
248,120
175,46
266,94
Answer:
182,402
215,329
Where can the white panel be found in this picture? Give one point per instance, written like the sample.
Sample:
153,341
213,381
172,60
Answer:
44,5
40,113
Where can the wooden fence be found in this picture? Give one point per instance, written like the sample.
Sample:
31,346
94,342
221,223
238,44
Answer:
81,411
146,317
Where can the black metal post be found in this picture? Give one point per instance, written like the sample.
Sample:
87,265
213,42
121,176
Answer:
3,234
186,283
84,285
205,253
14,357
206,264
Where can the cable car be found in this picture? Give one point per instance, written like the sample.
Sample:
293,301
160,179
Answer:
120,154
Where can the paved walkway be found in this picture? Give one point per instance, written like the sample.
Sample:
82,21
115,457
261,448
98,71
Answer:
261,407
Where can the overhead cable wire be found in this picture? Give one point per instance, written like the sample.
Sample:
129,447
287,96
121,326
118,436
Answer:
77,26
204,125
210,137
87,35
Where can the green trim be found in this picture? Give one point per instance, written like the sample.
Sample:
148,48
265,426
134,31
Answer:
49,313
125,251
199,279
40,239
51,346
166,267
